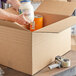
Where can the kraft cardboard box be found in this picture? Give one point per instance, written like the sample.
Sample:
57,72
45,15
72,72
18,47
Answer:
71,0
29,52
60,0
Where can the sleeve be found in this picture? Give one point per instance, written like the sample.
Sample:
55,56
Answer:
4,0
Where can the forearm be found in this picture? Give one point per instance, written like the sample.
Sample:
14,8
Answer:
7,16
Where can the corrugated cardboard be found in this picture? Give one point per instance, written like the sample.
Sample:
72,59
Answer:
29,52
61,0
58,13
73,0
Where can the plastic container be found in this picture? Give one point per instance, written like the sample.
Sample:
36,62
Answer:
27,9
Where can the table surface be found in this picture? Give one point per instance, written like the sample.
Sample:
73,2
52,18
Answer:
44,72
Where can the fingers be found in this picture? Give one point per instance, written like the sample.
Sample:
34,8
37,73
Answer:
21,19
16,9
15,4
27,23
28,26
24,17
25,20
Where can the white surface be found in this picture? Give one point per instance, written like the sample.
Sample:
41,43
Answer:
28,10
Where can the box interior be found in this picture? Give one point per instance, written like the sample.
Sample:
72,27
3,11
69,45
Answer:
49,19
54,15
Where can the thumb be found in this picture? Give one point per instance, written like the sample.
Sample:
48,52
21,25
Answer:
25,18
16,9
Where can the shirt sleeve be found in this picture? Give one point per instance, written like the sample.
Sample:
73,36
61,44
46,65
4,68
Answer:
4,0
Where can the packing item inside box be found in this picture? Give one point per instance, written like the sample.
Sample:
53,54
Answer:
42,20
47,19
37,23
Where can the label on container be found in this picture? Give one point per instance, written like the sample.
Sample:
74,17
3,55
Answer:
25,12
20,12
32,26
22,0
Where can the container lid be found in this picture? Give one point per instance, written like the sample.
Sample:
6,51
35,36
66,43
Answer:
25,1
57,7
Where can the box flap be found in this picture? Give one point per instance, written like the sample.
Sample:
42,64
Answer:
57,7
59,26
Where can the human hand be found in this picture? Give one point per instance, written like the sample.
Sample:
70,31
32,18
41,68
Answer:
21,19
15,4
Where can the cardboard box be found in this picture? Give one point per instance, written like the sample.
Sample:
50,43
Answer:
29,52
71,0
60,0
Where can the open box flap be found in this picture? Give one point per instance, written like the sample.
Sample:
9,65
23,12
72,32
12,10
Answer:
57,7
58,26
55,27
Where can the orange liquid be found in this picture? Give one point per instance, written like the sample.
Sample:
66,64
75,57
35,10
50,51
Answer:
38,24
